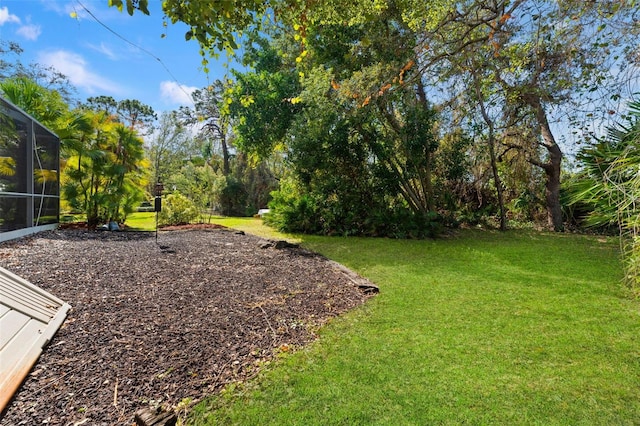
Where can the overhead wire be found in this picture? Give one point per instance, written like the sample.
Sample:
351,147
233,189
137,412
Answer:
151,54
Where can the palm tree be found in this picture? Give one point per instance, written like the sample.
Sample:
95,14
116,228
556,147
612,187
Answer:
126,173
45,105
608,182
609,185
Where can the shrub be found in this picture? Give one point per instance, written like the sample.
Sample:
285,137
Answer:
290,211
177,209
233,197
145,206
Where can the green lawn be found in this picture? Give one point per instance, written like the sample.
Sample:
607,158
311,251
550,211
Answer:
254,226
147,222
141,221
480,328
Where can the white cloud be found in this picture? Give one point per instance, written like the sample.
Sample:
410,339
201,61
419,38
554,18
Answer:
105,50
174,93
6,17
30,32
77,70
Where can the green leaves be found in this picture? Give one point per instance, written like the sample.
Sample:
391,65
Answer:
132,5
359,67
608,184
105,165
116,3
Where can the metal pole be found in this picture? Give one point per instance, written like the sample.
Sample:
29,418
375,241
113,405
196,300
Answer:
157,204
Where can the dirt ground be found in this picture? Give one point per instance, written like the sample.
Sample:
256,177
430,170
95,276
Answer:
165,323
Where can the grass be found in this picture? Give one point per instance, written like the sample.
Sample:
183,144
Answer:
253,226
481,328
72,217
141,221
147,222
137,221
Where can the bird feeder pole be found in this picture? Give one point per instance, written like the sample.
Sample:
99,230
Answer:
157,206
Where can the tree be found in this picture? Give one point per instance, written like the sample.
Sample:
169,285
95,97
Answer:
259,181
199,182
218,26
372,82
105,172
169,146
128,175
207,115
83,181
362,151
261,102
608,187
491,144
136,115
130,112
43,104
7,66
545,59
102,103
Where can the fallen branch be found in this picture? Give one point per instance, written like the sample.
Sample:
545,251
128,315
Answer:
115,394
275,335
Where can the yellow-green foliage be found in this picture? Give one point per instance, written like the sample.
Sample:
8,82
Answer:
177,209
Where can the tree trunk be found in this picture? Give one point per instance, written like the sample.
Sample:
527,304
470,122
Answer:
226,167
552,189
427,183
496,179
551,168
492,154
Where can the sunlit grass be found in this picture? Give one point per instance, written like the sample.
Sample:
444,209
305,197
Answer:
147,222
141,221
480,328
72,217
254,226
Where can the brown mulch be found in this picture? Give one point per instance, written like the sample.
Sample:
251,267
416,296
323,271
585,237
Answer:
162,324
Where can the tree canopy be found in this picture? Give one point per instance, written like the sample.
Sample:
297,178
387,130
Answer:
431,106
529,64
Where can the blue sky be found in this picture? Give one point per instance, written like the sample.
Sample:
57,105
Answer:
97,62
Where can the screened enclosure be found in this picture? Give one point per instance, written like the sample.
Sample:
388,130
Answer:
29,174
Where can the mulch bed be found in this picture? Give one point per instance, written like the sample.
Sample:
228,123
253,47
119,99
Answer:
166,323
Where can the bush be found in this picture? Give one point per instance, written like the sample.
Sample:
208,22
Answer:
292,210
177,210
404,223
233,198
145,206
